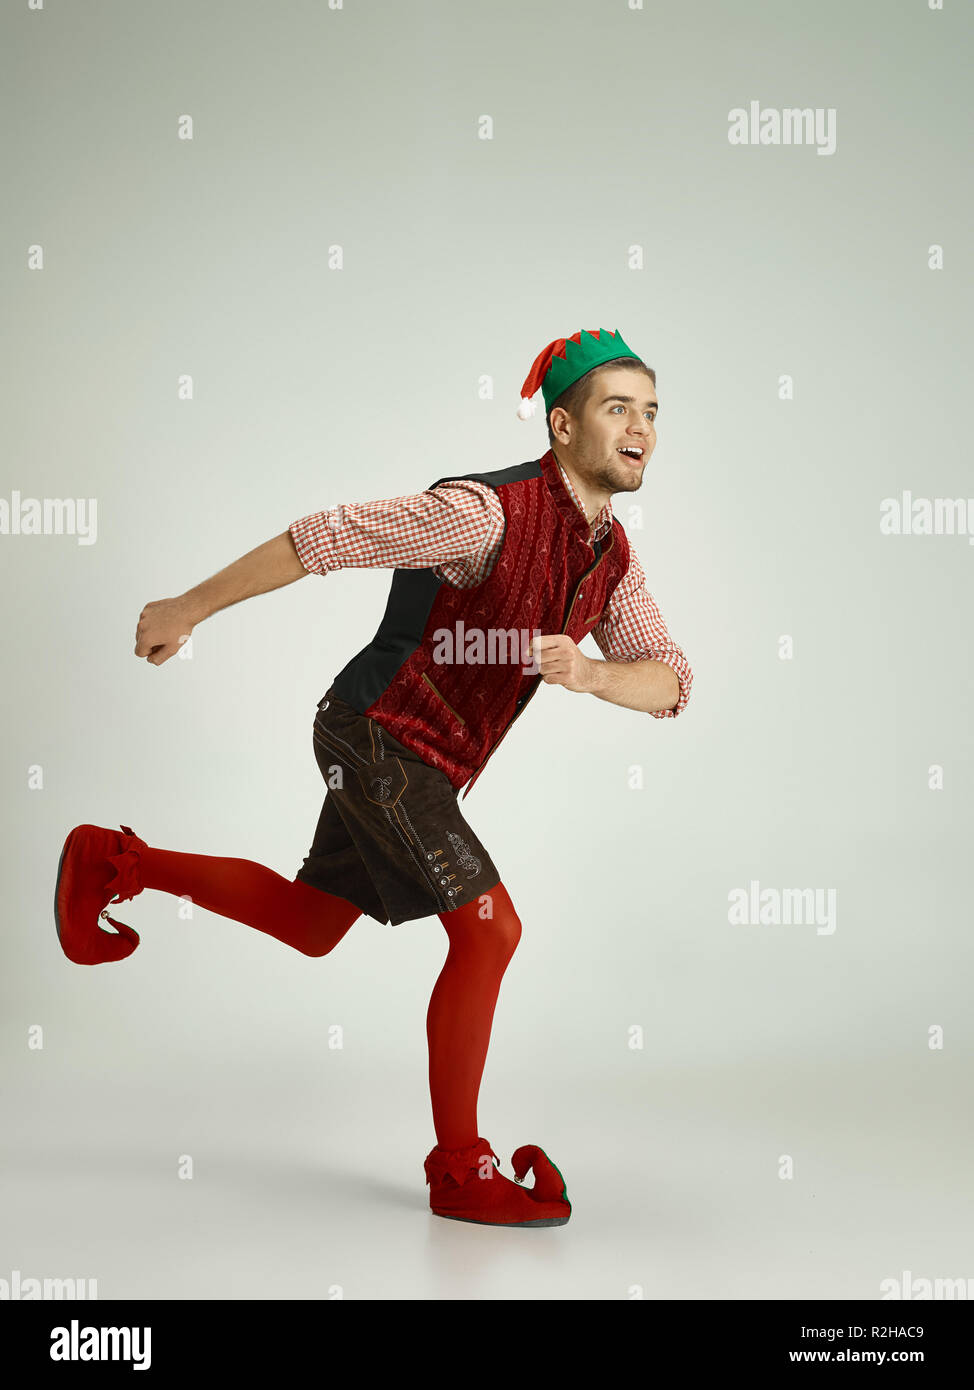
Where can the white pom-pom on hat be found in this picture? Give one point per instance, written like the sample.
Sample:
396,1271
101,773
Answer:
527,408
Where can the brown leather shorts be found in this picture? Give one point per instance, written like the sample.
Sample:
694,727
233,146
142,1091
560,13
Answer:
390,837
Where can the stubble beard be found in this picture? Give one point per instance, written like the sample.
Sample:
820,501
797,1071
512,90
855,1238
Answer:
610,475
617,476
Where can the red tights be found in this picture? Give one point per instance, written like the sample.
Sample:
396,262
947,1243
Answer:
483,935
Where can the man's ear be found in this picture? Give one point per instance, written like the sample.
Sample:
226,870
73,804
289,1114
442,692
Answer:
561,426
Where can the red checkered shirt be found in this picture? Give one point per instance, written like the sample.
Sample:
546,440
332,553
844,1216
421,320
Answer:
456,529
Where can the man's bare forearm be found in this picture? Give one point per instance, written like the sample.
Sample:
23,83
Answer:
647,686
270,566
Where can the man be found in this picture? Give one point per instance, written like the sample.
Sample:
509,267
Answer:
481,560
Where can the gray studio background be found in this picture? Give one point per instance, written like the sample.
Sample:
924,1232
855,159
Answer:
463,257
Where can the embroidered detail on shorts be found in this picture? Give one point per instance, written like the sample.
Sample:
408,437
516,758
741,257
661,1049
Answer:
383,783
465,856
381,787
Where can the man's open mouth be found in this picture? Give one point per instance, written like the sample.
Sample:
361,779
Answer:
631,451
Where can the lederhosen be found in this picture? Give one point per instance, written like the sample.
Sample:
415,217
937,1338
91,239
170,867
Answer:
390,837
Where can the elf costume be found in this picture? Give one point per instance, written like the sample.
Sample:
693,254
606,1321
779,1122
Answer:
408,730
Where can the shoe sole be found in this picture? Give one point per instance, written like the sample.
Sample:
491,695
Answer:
472,1220
57,889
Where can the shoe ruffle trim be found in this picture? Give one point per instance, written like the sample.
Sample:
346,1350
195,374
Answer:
456,1162
127,880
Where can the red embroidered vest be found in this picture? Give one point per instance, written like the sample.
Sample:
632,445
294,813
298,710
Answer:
547,578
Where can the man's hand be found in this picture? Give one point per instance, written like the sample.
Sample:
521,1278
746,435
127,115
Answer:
561,663
647,684
165,624
163,627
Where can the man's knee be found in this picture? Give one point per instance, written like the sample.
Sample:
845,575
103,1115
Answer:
498,926
490,923
505,933
506,919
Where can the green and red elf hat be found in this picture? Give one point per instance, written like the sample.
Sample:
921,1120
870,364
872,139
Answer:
564,361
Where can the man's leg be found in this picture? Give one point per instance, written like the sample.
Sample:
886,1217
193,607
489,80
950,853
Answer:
307,918
99,867
461,1010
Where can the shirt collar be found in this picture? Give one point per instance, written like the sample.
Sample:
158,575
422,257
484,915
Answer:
602,522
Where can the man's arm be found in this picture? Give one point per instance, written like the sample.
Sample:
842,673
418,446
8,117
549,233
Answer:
458,523
632,634
165,624
454,523
643,669
270,566
649,686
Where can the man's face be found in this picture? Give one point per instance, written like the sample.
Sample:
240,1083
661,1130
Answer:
619,414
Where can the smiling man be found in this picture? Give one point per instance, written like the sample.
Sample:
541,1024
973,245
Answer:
400,731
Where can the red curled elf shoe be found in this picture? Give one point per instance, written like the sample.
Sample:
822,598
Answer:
465,1186
97,867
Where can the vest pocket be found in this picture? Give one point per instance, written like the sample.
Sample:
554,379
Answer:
440,698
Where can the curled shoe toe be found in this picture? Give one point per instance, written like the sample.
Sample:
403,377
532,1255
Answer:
465,1185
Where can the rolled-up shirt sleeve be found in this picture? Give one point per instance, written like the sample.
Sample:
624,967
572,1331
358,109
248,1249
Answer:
449,522
632,629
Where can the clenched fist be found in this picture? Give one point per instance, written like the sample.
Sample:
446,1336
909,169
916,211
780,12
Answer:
561,663
164,625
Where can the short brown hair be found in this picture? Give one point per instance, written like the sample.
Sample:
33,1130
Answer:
575,399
